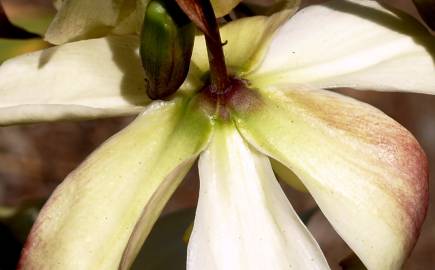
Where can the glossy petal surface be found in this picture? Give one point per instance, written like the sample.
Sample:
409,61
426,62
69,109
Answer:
100,215
243,219
355,44
367,173
80,80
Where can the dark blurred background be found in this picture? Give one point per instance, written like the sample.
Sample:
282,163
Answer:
35,158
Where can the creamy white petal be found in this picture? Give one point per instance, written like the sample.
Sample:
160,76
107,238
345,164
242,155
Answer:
367,173
243,219
85,79
355,44
100,215
83,19
131,17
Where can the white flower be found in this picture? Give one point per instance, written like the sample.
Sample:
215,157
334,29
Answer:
366,172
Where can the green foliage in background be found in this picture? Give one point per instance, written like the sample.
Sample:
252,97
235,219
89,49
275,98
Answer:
35,20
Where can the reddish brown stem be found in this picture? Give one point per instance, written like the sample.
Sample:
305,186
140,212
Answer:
202,14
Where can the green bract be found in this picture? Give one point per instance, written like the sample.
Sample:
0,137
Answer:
366,172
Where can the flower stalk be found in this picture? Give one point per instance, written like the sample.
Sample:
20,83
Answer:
202,14
218,70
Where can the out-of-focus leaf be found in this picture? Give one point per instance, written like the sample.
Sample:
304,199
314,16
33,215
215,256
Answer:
7,212
22,222
352,262
426,8
165,247
8,30
33,19
21,219
13,47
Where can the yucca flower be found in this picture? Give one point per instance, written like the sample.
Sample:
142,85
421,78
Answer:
367,173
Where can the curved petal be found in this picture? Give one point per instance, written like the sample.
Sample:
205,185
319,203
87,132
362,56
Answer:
82,19
100,215
367,173
131,17
243,50
85,79
243,219
355,44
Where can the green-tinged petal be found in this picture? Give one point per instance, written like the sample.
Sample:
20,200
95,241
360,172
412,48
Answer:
355,44
127,22
85,79
131,17
83,19
246,41
244,220
367,173
100,215
223,7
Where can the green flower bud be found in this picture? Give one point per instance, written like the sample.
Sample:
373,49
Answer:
166,47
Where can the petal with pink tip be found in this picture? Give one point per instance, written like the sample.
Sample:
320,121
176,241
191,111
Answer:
367,173
100,215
